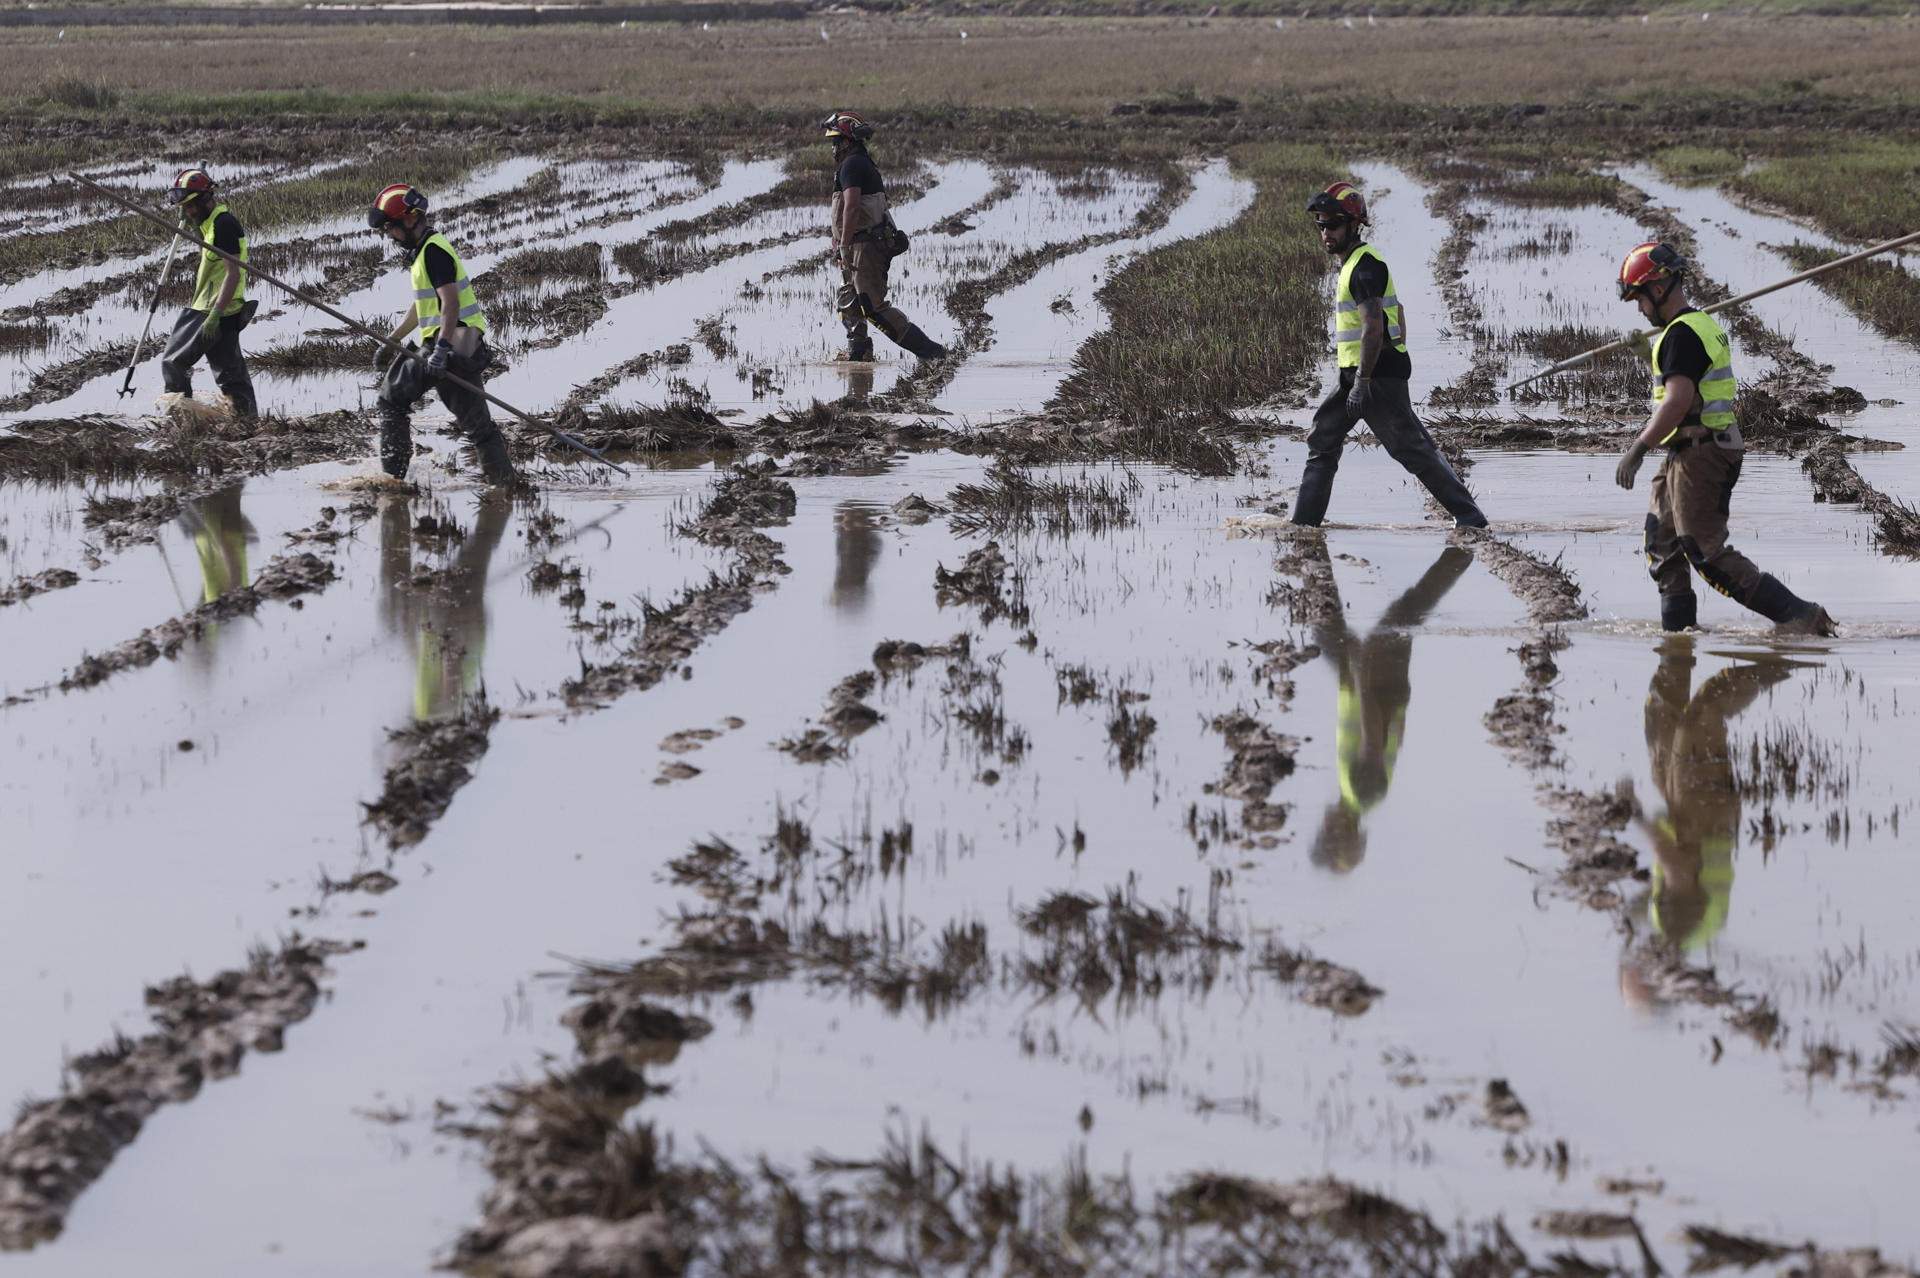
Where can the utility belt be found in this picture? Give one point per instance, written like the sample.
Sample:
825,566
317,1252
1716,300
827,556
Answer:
886,235
1695,433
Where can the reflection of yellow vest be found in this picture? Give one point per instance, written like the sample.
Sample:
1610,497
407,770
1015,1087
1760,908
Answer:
430,691
426,298
1716,881
1717,387
213,271
1350,322
1347,737
223,561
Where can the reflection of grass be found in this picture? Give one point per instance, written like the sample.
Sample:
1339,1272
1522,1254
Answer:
1881,290
1696,163
1230,318
1864,190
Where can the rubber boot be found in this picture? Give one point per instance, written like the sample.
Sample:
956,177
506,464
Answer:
1788,611
1679,612
396,445
245,403
918,343
491,447
858,349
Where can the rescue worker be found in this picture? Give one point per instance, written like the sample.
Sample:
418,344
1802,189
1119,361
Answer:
1693,418
865,242
1375,689
1370,338
1692,763
452,340
211,324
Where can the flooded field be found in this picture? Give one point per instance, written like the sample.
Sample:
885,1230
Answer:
879,832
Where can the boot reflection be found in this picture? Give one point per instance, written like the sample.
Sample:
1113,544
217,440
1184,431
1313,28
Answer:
441,612
1375,689
856,547
221,535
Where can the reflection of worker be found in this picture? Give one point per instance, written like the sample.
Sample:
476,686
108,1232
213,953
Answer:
209,328
859,375
445,622
1693,417
220,533
865,242
1375,687
1370,338
1692,763
856,546
453,332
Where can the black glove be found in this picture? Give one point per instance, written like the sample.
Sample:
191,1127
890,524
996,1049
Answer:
1360,396
1629,466
437,358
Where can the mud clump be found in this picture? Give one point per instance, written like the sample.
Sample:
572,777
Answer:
1118,946
58,1147
674,427
1261,759
1312,598
894,657
286,577
1012,502
1501,1108
39,583
1896,524
978,581
1545,587
1317,982
743,501
915,509
436,760
847,716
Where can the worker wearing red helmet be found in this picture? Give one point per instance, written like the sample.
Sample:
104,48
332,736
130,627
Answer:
865,242
1693,418
209,327
453,330
1370,339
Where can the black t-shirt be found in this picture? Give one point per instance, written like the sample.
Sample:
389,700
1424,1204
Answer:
1370,280
440,267
1683,354
227,233
859,170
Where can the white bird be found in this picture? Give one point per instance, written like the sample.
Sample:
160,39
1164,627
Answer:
824,35
1371,22
1349,22
705,26
963,35
623,26
62,35
1279,24
1705,16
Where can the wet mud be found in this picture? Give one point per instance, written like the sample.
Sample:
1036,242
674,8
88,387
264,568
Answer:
437,757
1896,524
57,1147
1546,588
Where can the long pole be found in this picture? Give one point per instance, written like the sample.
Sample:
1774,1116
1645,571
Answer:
400,352
1587,357
166,273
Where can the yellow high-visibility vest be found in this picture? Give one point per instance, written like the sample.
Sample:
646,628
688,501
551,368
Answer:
426,298
1718,387
1350,322
213,271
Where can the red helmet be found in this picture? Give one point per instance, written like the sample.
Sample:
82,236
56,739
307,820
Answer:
1648,264
846,124
392,205
190,183
1340,202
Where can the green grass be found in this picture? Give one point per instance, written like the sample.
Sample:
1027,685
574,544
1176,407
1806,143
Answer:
1233,317
1696,163
1866,189
1882,292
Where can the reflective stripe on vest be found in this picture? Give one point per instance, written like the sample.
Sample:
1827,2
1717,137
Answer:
1349,743
1715,885
1717,387
213,271
1350,320
426,298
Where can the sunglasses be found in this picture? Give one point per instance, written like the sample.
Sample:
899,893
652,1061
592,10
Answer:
1334,225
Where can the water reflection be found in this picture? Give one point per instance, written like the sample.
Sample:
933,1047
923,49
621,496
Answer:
1375,688
440,610
859,374
856,548
220,534
1693,837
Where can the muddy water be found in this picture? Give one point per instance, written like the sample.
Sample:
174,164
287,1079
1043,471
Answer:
558,847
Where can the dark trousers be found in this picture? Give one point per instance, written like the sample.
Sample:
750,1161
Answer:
407,381
185,348
1391,418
